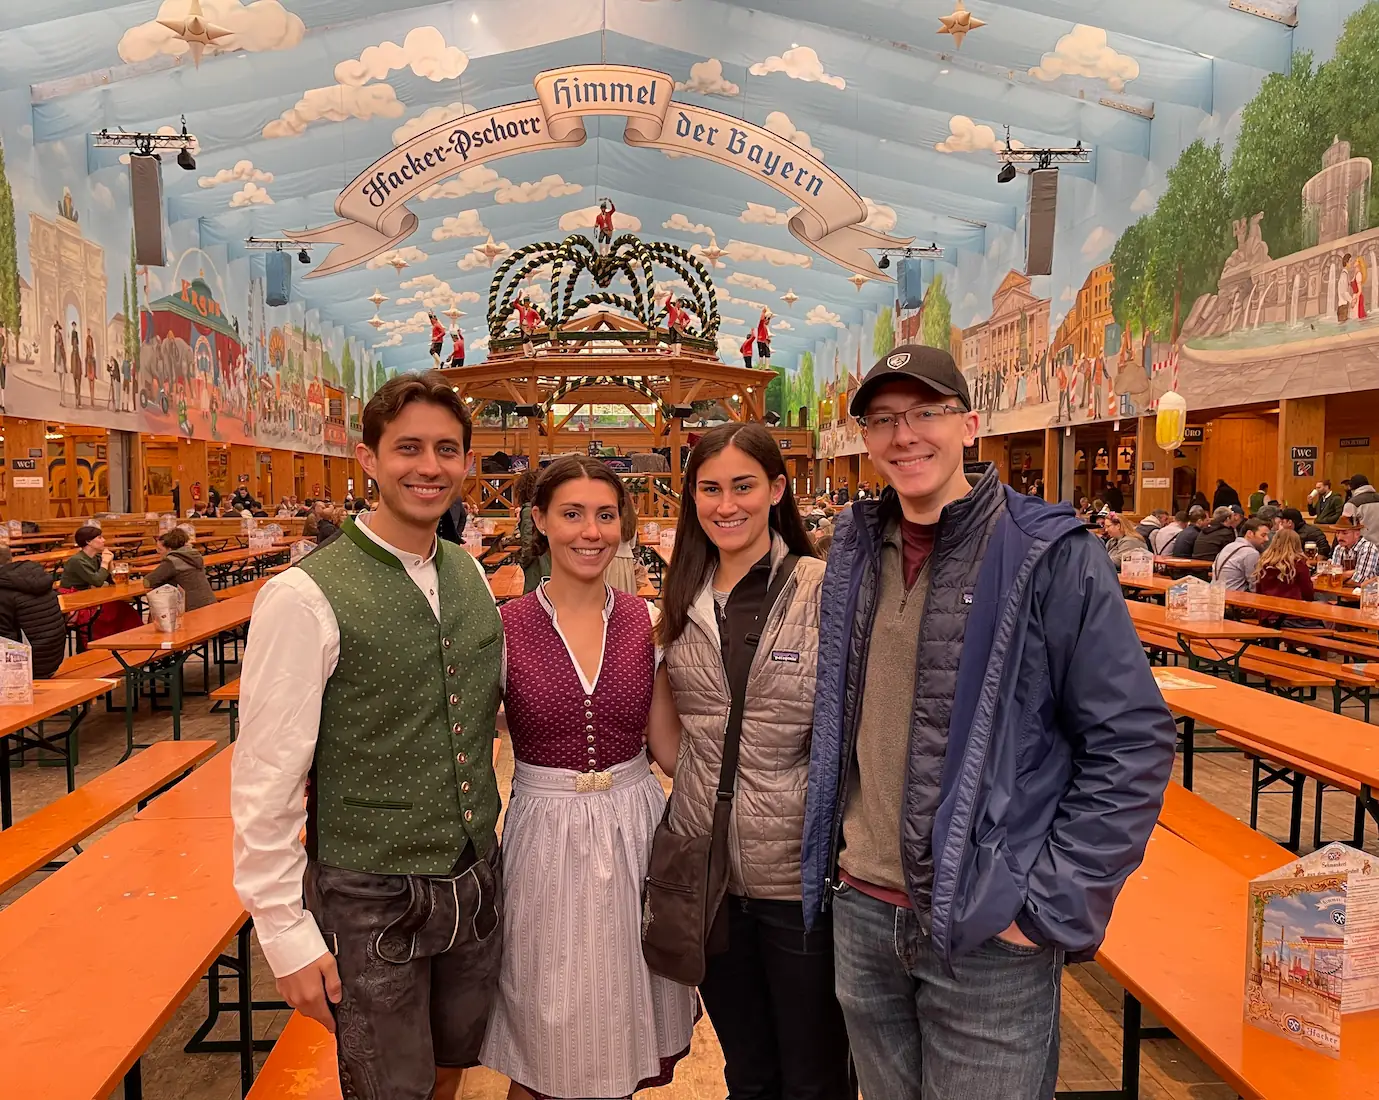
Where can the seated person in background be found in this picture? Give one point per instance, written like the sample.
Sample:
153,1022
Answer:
1218,534
1152,524
29,612
89,567
1161,541
1120,540
1235,565
285,509
257,509
1358,551
305,507
1283,572
1186,541
1290,519
182,566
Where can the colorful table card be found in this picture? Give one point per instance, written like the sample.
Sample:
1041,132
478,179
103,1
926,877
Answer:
1313,946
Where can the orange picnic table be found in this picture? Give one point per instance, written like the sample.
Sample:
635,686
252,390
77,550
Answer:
99,597
18,724
95,960
1177,942
203,794
197,629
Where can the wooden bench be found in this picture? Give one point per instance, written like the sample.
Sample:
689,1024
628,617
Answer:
1270,766
99,664
1291,676
301,1065
32,843
1212,830
228,694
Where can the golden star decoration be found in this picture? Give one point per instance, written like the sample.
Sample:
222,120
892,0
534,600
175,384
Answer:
377,297
196,31
790,297
959,23
858,280
490,250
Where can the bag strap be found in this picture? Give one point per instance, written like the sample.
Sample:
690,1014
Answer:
737,683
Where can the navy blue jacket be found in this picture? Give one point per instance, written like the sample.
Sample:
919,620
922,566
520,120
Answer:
1059,742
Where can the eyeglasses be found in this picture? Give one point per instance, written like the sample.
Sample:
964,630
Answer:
883,425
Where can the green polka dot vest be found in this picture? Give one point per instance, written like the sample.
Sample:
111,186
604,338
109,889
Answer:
404,759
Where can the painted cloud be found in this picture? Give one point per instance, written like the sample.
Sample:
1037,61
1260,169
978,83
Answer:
820,315
966,136
751,282
678,223
464,224
261,25
547,187
335,104
706,78
251,194
429,119
798,63
879,217
434,293
778,122
243,172
584,219
1084,52
746,252
424,51
472,181
1099,241
760,214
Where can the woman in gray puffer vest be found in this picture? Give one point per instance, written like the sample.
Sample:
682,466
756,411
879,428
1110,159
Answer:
770,994
182,566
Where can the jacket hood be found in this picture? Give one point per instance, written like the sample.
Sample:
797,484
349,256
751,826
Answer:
1363,494
191,557
26,576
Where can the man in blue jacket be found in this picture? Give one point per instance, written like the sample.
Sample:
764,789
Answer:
989,757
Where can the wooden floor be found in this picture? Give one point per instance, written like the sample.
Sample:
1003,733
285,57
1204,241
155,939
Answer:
1091,1000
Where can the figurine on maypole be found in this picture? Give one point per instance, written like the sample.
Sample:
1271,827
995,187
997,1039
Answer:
764,337
437,339
676,321
456,347
748,346
603,224
527,320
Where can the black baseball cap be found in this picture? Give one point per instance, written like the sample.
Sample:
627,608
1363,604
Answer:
932,366
1356,481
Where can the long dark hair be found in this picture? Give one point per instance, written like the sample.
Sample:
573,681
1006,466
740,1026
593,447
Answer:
569,468
696,557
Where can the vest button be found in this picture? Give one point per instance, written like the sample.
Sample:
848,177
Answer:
469,815
445,642
450,670
588,729
588,702
454,700
591,741
464,787
462,759
588,714
457,729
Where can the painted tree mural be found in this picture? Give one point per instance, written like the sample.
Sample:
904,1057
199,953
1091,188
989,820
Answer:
936,328
347,372
9,259
883,335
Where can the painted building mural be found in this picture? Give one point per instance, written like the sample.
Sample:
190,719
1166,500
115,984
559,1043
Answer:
1221,238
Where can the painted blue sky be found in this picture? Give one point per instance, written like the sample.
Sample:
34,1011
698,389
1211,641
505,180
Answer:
313,91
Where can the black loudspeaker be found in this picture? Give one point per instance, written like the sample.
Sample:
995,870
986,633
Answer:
528,411
1043,207
682,412
146,198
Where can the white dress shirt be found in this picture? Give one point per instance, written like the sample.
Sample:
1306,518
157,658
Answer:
293,649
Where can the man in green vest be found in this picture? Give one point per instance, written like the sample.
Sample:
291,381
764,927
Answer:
372,671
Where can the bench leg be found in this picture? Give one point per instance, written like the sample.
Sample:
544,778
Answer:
6,797
1132,1032
240,969
1299,782
134,1083
1189,730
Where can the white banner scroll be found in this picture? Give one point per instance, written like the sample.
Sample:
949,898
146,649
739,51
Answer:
373,207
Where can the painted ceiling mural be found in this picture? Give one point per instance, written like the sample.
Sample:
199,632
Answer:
1199,117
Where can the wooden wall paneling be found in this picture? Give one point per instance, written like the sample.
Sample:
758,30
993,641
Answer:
22,436
1301,423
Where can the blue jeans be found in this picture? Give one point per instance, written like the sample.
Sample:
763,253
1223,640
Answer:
988,1033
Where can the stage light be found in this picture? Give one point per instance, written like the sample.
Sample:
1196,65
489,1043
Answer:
885,263
185,159
1006,174
304,257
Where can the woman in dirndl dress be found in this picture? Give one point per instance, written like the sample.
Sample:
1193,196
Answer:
578,1013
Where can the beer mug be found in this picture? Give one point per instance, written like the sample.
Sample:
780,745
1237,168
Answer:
1170,423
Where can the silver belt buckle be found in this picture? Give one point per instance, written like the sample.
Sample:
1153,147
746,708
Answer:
587,782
